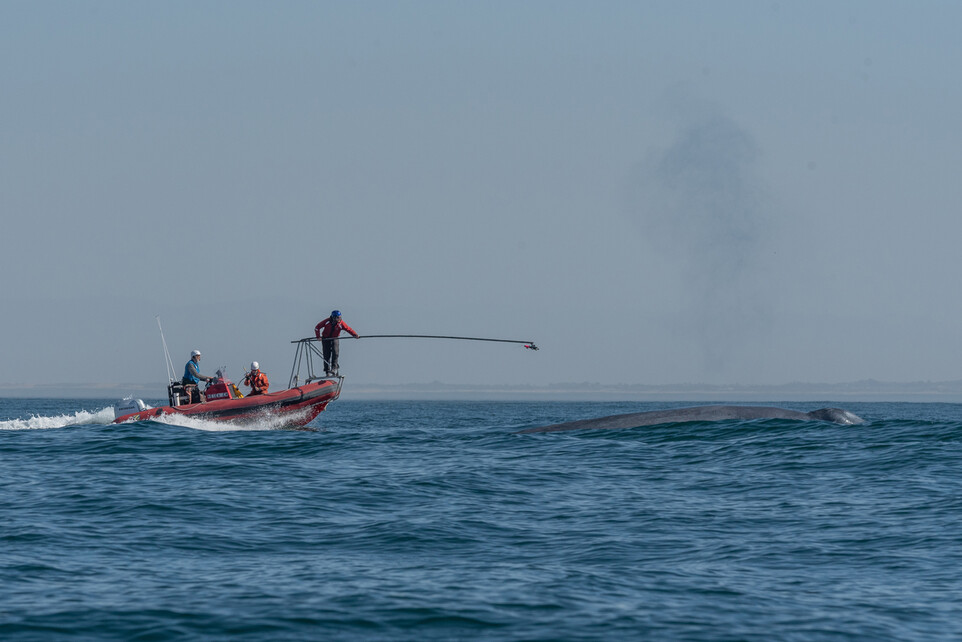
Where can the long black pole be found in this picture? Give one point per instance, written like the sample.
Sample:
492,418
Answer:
527,344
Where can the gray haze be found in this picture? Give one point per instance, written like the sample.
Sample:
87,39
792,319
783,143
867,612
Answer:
655,192
701,209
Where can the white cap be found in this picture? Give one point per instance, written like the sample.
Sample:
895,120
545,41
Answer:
254,365
195,353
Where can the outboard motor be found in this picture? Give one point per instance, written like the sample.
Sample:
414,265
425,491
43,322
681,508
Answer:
176,394
128,405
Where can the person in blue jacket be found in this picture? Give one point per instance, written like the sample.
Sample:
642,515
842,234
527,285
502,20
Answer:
193,377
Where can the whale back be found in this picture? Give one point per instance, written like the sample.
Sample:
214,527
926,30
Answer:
699,414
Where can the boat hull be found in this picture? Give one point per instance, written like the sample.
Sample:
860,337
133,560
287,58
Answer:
298,405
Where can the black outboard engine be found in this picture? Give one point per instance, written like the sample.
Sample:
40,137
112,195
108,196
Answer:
176,394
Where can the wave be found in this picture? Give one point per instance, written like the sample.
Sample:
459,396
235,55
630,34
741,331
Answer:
105,416
264,421
196,423
79,418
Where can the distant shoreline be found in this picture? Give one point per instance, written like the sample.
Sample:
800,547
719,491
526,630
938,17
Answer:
869,390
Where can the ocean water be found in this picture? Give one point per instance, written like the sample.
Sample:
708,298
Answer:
436,521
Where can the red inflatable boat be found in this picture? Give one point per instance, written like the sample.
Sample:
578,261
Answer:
296,406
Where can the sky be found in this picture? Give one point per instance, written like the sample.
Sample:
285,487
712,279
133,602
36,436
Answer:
654,192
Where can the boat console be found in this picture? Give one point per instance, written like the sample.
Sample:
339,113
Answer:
219,389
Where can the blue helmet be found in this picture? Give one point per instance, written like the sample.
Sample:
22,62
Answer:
336,313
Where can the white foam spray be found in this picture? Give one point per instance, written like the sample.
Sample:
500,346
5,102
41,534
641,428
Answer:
104,416
262,421
79,418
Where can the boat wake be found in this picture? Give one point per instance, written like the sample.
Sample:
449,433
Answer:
79,418
105,416
263,421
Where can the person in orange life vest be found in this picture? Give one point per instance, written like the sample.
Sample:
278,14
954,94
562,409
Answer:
257,380
328,330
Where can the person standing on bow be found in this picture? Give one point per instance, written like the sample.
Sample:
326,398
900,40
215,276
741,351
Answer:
257,380
193,377
328,330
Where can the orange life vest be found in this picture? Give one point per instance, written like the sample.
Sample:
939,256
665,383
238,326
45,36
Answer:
257,380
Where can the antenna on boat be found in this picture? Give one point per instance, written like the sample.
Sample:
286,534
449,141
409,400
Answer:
170,364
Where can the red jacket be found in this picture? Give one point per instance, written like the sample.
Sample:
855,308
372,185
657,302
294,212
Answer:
327,330
257,380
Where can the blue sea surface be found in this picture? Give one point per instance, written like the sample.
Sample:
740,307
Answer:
436,521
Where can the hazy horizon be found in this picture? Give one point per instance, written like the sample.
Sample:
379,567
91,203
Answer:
823,393
741,192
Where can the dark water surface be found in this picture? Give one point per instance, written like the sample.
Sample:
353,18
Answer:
433,520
